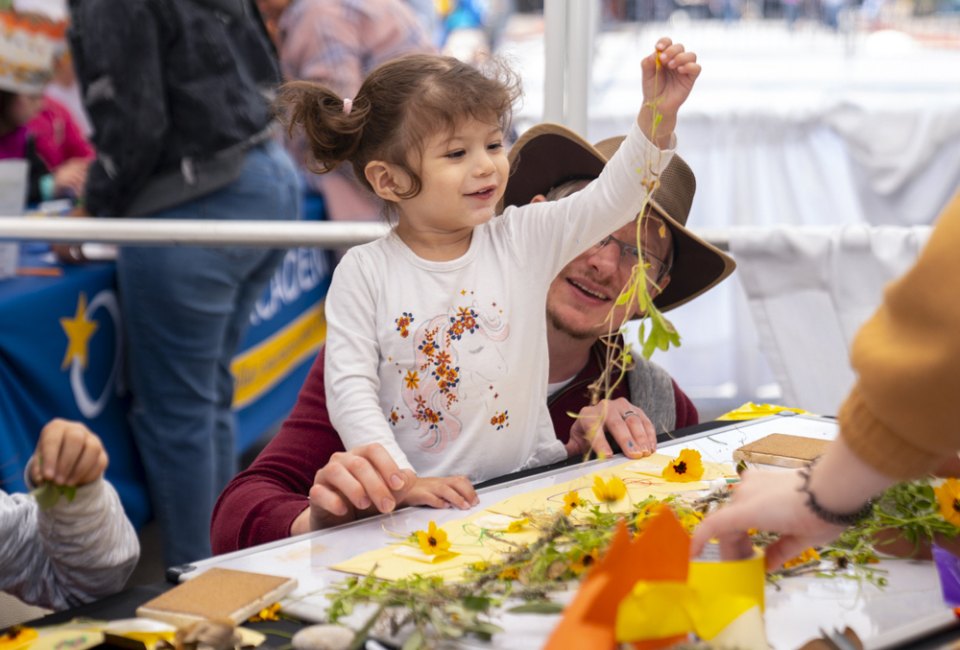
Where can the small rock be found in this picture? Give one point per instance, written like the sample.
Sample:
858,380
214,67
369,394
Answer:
323,637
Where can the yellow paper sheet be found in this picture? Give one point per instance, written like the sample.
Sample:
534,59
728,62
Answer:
471,544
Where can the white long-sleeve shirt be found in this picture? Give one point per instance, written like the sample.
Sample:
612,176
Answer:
73,553
445,363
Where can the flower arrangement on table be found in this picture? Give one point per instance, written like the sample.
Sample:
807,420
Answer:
548,551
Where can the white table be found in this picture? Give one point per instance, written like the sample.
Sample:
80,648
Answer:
909,607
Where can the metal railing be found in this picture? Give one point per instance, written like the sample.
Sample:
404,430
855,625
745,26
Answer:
200,232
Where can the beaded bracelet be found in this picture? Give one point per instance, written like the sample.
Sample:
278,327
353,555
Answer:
835,518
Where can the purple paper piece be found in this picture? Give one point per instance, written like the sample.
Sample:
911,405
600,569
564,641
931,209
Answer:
948,566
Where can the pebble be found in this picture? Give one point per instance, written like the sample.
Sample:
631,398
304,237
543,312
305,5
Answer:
323,637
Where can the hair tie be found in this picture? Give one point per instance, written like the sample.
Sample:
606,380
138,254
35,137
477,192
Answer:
347,105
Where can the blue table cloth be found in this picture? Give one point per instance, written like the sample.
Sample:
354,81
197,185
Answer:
61,356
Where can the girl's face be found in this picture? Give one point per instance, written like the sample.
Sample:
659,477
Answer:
463,174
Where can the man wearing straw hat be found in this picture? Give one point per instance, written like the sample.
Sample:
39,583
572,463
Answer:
303,480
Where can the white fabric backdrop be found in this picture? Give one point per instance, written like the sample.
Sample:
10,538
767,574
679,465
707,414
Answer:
810,290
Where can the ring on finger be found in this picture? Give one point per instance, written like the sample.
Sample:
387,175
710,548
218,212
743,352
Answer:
627,414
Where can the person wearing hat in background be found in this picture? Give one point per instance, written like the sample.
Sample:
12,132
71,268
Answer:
303,480
33,127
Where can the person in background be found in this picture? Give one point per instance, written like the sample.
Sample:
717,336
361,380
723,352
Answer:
899,421
80,548
33,128
337,43
304,480
179,97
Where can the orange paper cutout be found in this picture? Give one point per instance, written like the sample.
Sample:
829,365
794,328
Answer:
661,552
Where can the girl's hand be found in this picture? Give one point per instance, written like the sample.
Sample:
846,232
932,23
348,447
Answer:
68,453
665,88
442,492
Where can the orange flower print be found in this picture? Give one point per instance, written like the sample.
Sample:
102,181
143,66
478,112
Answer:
403,324
500,420
394,417
412,379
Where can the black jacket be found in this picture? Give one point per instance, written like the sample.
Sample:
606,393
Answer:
167,85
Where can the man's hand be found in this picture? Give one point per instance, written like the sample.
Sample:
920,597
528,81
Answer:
442,492
665,88
624,422
364,479
68,453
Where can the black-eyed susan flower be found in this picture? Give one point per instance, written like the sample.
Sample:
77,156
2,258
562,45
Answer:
433,541
571,501
609,491
948,497
684,468
584,562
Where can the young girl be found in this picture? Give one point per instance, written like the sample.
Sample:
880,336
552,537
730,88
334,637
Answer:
436,340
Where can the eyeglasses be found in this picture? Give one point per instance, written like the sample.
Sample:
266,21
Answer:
655,268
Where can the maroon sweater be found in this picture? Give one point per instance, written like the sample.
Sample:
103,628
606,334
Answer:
260,503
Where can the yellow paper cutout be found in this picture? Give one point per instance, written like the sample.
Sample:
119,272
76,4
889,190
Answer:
751,411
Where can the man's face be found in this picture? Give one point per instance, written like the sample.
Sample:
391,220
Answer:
580,297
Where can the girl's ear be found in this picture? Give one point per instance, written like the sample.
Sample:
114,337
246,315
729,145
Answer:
383,178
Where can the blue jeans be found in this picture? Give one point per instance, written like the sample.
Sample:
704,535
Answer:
185,309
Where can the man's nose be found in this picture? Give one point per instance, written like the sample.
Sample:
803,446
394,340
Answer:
605,259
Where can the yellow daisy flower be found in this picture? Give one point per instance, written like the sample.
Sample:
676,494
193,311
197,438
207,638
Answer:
948,496
517,525
510,573
684,468
609,491
571,501
809,555
433,541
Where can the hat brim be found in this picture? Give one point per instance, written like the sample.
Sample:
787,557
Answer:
548,155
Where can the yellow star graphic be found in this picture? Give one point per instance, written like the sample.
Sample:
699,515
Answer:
78,330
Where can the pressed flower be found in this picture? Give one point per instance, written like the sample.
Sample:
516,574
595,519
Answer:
609,491
510,573
948,496
584,562
690,520
643,516
571,501
517,525
809,555
271,613
684,468
433,541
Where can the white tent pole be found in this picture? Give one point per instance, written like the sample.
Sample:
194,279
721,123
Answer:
580,26
555,59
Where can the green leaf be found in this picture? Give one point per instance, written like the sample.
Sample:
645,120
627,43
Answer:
477,603
537,607
46,496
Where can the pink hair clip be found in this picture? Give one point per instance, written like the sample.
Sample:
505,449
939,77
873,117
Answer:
347,105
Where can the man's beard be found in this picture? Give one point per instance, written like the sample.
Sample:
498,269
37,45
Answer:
578,334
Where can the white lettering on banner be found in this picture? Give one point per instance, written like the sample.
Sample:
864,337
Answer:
302,270
90,407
